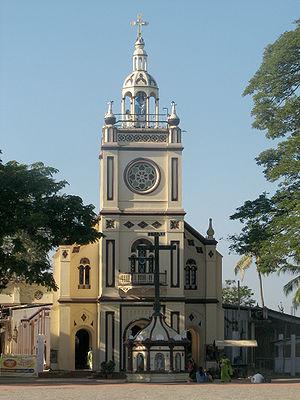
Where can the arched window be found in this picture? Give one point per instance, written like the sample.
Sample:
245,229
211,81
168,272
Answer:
177,362
141,260
152,110
140,109
190,274
159,362
84,274
151,263
81,274
87,275
140,63
127,104
140,364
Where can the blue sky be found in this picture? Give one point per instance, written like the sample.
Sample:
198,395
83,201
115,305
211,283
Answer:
62,60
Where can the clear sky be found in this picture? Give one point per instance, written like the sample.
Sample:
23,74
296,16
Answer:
62,60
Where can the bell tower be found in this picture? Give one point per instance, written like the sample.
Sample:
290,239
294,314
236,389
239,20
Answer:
141,193
141,148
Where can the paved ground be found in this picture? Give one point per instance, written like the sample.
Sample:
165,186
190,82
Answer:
92,391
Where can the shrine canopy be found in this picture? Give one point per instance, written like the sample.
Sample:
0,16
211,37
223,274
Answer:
157,348
158,330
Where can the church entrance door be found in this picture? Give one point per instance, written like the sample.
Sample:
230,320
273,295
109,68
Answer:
82,346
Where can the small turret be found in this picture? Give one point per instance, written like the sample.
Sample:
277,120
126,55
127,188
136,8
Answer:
139,59
173,119
109,117
210,231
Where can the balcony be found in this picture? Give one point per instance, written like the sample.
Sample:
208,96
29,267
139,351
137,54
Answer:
131,121
134,279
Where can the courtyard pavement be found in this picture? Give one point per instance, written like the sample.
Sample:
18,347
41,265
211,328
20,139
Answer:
82,389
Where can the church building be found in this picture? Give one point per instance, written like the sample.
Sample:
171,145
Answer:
106,289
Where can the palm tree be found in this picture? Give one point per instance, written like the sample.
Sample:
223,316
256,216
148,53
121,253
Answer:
243,264
294,284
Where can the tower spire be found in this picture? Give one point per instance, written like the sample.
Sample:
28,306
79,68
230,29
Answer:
139,61
210,231
140,100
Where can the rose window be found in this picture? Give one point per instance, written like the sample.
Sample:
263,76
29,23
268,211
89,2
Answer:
142,176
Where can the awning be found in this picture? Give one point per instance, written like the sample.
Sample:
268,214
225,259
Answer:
236,343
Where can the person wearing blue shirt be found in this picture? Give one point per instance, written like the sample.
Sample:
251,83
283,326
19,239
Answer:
201,376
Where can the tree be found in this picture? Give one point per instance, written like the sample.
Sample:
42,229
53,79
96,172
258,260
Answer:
294,285
275,90
232,295
255,217
243,264
36,218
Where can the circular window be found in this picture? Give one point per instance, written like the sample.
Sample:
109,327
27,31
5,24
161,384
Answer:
142,176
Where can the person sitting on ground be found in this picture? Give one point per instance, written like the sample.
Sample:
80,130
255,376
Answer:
208,375
257,378
201,376
192,368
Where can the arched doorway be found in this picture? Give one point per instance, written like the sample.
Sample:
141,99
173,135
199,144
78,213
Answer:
132,329
82,346
193,349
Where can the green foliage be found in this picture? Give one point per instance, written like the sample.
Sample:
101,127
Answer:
271,229
35,218
275,87
107,367
294,285
231,294
255,217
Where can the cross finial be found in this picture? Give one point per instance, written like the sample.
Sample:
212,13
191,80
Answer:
139,23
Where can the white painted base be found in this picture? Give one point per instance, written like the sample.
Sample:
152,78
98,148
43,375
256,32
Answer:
156,377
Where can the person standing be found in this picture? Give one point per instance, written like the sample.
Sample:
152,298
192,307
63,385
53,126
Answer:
226,369
90,359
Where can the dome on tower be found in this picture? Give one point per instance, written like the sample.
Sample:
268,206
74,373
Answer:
139,78
140,92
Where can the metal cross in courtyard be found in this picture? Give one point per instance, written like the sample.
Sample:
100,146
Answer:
139,23
157,247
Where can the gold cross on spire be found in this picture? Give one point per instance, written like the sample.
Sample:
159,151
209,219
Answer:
139,23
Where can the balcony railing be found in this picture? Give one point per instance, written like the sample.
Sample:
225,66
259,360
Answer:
156,121
141,279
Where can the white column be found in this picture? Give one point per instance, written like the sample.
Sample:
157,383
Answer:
47,336
40,352
123,109
147,112
156,112
132,111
